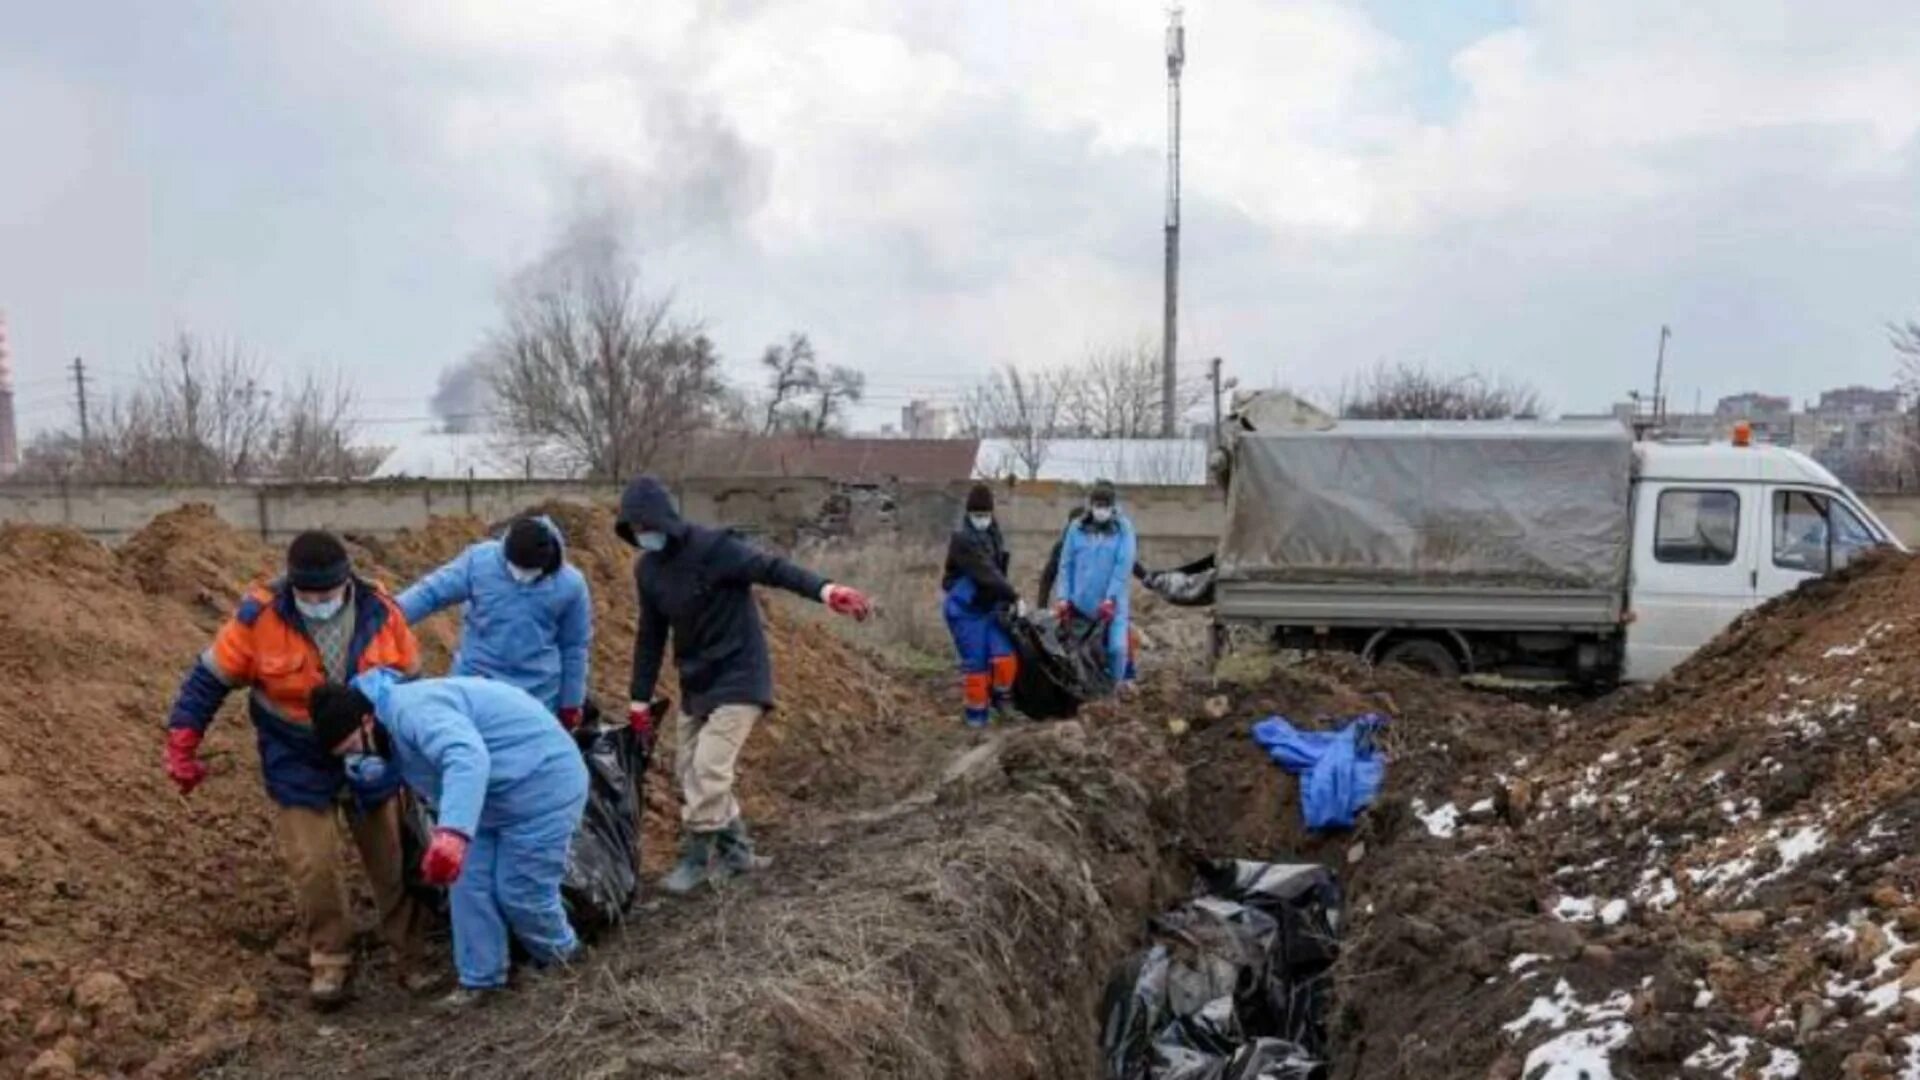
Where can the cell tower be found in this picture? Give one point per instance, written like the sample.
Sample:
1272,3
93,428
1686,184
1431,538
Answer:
1170,317
9,434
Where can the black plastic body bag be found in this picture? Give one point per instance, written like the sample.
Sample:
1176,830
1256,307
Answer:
1061,666
1235,983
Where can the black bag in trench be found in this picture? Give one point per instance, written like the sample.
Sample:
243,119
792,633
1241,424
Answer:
1061,667
1235,984
416,832
603,863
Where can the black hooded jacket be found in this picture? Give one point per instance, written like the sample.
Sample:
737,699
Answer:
980,555
699,590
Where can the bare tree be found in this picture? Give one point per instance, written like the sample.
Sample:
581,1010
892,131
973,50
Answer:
1022,408
1115,393
1412,392
838,388
1905,338
587,363
313,435
793,372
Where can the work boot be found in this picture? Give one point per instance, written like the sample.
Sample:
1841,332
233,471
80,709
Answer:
696,853
736,850
327,989
463,998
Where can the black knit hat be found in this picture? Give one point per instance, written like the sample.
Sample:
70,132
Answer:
317,561
1102,493
337,710
980,500
531,545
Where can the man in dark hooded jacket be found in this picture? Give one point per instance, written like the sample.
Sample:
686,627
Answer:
696,586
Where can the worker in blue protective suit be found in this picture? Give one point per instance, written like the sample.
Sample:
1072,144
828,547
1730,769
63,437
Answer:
977,598
1096,569
528,619
509,787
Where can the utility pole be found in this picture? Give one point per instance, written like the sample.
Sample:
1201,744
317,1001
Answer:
1170,340
1659,377
80,392
1214,367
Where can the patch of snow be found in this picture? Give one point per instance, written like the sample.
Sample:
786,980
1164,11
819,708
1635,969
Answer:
1441,822
1613,912
1582,799
1582,1054
1484,806
1880,991
1797,679
1575,909
1714,878
1656,890
1524,960
1703,999
1718,776
1609,757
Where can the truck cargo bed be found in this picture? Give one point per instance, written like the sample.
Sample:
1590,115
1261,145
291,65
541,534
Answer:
1412,606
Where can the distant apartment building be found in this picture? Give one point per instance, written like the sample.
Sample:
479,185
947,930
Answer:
925,420
1852,430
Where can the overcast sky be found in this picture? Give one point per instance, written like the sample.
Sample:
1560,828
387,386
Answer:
931,187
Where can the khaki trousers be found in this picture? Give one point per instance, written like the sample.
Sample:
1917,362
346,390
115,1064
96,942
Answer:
310,846
706,749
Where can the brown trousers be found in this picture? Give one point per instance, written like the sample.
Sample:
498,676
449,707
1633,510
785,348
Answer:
310,846
706,749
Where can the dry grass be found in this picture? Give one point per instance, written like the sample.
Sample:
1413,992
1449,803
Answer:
966,931
903,579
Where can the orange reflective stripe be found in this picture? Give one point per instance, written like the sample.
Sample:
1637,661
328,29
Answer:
1005,668
978,690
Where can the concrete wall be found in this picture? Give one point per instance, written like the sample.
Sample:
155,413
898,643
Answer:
1174,523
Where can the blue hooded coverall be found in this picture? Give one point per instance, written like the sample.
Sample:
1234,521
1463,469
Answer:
1096,564
535,636
977,592
502,772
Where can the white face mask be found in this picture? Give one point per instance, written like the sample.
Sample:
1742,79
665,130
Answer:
983,522
320,610
522,574
1102,514
652,541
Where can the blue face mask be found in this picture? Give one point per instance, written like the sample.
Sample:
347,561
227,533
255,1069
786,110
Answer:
365,770
652,541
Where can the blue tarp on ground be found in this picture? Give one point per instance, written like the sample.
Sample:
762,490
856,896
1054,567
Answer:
1340,771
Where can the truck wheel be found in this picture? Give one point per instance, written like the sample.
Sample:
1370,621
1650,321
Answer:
1424,655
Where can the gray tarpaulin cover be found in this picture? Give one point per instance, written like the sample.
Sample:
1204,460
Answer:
1494,504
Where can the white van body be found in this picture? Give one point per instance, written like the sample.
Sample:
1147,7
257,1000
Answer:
1719,529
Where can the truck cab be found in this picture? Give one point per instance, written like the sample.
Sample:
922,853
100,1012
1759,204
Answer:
1720,528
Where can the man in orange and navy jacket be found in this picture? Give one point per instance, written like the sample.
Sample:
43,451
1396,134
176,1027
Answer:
319,623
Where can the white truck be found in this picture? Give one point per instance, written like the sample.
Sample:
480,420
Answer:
1563,550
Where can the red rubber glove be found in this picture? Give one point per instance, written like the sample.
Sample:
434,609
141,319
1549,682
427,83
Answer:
183,759
1108,609
1062,611
640,719
569,717
444,858
848,601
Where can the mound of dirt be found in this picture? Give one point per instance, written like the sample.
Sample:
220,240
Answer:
191,555
130,919
1713,877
